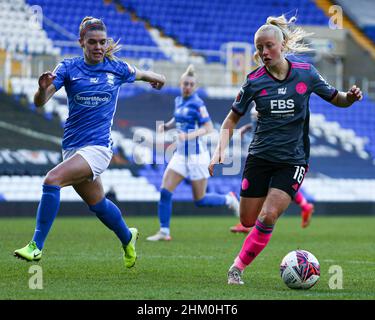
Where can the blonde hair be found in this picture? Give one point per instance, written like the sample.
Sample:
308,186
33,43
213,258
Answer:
91,23
189,72
285,31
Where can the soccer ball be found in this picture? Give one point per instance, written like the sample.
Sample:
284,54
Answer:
300,269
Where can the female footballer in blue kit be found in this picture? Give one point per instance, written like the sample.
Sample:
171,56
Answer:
191,157
92,84
279,153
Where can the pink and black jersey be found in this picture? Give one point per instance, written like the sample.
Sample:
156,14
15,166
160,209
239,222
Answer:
283,122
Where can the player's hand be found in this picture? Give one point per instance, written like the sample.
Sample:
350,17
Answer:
159,82
46,79
354,94
216,159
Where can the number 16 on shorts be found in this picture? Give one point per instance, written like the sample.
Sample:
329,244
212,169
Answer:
299,174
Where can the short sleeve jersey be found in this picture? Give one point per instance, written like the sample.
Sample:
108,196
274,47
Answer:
92,92
282,132
190,113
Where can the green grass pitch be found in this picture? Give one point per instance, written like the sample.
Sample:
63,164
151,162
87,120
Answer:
83,260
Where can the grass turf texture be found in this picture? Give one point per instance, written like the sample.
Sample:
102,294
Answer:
83,260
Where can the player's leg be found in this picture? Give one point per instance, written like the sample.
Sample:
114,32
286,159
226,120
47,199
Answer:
109,214
213,199
70,171
254,182
171,179
256,179
239,228
249,211
198,174
307,209
284,183
274,205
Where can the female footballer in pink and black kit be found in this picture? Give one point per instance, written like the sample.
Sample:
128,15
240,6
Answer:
279,153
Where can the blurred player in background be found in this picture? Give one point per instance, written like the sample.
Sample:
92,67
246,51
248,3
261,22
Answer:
307,209
191,158
92,85
279,153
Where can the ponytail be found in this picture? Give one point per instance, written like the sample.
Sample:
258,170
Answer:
285,30
189,72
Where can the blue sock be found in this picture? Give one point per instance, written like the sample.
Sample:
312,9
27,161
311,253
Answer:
110,215
47,210
165,208
211,200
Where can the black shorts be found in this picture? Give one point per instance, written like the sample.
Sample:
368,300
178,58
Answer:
260,175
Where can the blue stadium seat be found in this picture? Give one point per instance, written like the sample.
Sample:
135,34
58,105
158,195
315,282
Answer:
193,23
70,15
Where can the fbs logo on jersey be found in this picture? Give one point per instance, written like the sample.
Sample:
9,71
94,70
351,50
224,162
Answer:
282,106
92,99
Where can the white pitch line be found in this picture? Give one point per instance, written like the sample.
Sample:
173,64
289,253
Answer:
350,261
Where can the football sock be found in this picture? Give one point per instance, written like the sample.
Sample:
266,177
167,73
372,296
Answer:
110,215
300,199
165,208
211,200
46,214
165,231
254,243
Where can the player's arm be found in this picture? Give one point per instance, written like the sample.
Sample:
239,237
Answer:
46,89
346,99
156,80
166,126
206,128
226,133
326,91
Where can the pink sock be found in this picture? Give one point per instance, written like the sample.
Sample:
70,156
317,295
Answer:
300,199
254,243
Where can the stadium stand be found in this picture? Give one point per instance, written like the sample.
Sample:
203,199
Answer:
362,14
120,25
31,145
166,32
204,25
340,149
16,115
19,33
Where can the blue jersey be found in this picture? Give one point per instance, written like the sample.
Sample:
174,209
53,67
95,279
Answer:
190,113
282,131
92,92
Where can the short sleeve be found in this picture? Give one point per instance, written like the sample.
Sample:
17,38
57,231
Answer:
243,99
61,75
203,115
128,72
321,87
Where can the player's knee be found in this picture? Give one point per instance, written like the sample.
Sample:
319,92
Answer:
53,178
